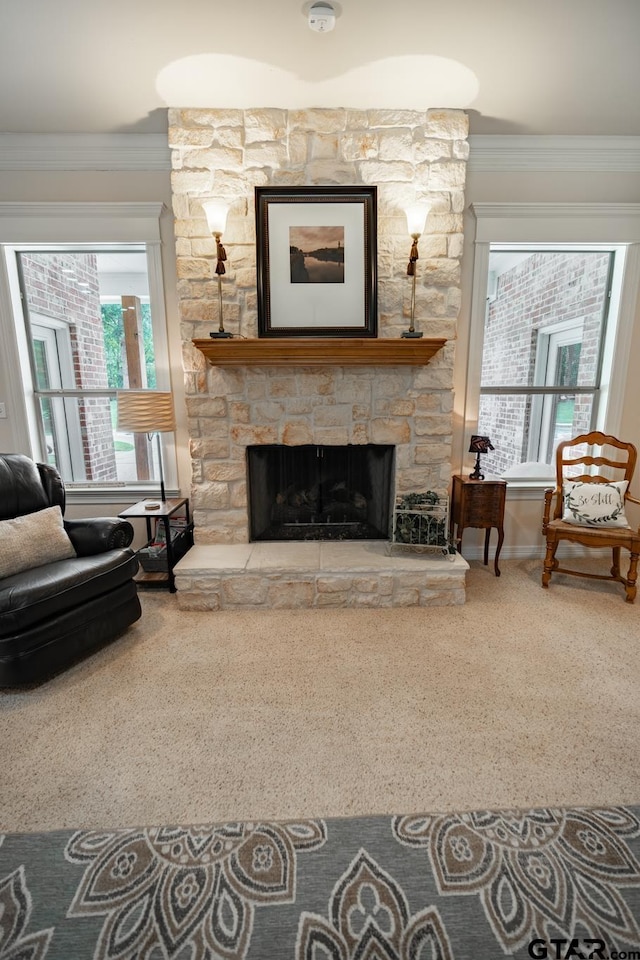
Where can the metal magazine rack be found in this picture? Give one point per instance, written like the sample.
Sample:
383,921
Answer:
421,523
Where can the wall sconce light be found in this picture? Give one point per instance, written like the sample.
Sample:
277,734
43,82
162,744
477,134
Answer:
216,213
479,445
416,219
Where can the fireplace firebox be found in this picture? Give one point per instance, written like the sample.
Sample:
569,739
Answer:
313,492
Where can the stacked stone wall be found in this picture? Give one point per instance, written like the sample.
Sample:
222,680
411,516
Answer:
225,154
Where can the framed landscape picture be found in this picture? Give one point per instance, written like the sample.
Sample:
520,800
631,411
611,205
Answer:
316,259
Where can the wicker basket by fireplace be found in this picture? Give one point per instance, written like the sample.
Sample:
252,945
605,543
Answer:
421,523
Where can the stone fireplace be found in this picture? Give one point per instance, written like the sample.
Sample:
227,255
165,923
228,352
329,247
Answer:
232,409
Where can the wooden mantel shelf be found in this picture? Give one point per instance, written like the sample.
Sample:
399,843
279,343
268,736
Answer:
316,351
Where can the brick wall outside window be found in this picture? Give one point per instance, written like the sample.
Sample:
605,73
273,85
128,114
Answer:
542,290
51,293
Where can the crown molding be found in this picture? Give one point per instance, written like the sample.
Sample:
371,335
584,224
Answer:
25,209
79,222
499,153
553,211
489,153
80,151
546,223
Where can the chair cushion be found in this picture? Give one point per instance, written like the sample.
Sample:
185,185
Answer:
33,540
44,592
594,504
623,536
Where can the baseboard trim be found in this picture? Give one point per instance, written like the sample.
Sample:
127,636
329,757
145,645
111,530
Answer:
534,552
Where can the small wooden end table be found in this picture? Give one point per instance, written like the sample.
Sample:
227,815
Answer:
478,503
167,509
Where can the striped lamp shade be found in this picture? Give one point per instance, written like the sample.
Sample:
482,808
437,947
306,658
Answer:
145,411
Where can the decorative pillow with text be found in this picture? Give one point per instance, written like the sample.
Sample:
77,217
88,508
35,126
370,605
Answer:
594,504
33,540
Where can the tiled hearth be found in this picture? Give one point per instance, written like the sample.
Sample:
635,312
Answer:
319,574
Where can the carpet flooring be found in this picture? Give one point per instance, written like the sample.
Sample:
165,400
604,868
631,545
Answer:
521,698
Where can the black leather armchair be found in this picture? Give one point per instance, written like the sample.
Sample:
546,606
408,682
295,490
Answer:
54,614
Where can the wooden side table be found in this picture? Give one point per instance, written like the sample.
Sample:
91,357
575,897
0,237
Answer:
167,509
478,503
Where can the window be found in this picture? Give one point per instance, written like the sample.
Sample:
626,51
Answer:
544,336
89,330
567,378
53,368
88,320
557,365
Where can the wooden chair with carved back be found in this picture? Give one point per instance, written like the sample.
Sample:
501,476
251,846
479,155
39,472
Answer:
593,475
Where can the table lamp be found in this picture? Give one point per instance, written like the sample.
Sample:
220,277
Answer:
479,445
150,412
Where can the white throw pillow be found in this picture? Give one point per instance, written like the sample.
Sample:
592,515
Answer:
594,504
33,540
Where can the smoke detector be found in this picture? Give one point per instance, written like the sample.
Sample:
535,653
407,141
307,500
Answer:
322,17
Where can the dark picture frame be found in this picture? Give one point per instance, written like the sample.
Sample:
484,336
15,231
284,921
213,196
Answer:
316,253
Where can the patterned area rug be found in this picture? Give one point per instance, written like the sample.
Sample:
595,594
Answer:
472,886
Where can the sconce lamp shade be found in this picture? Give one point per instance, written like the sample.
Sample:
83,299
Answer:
480,444
417,215
146,411
216,213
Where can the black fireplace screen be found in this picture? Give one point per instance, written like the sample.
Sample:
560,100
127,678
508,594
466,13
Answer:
316,492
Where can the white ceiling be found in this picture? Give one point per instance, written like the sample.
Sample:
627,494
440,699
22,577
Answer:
517,66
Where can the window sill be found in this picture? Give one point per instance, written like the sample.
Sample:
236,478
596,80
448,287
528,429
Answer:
120,494
528,489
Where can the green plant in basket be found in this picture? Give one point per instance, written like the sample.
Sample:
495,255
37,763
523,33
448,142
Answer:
417,521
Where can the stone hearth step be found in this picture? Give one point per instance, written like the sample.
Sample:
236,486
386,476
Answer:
272,575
